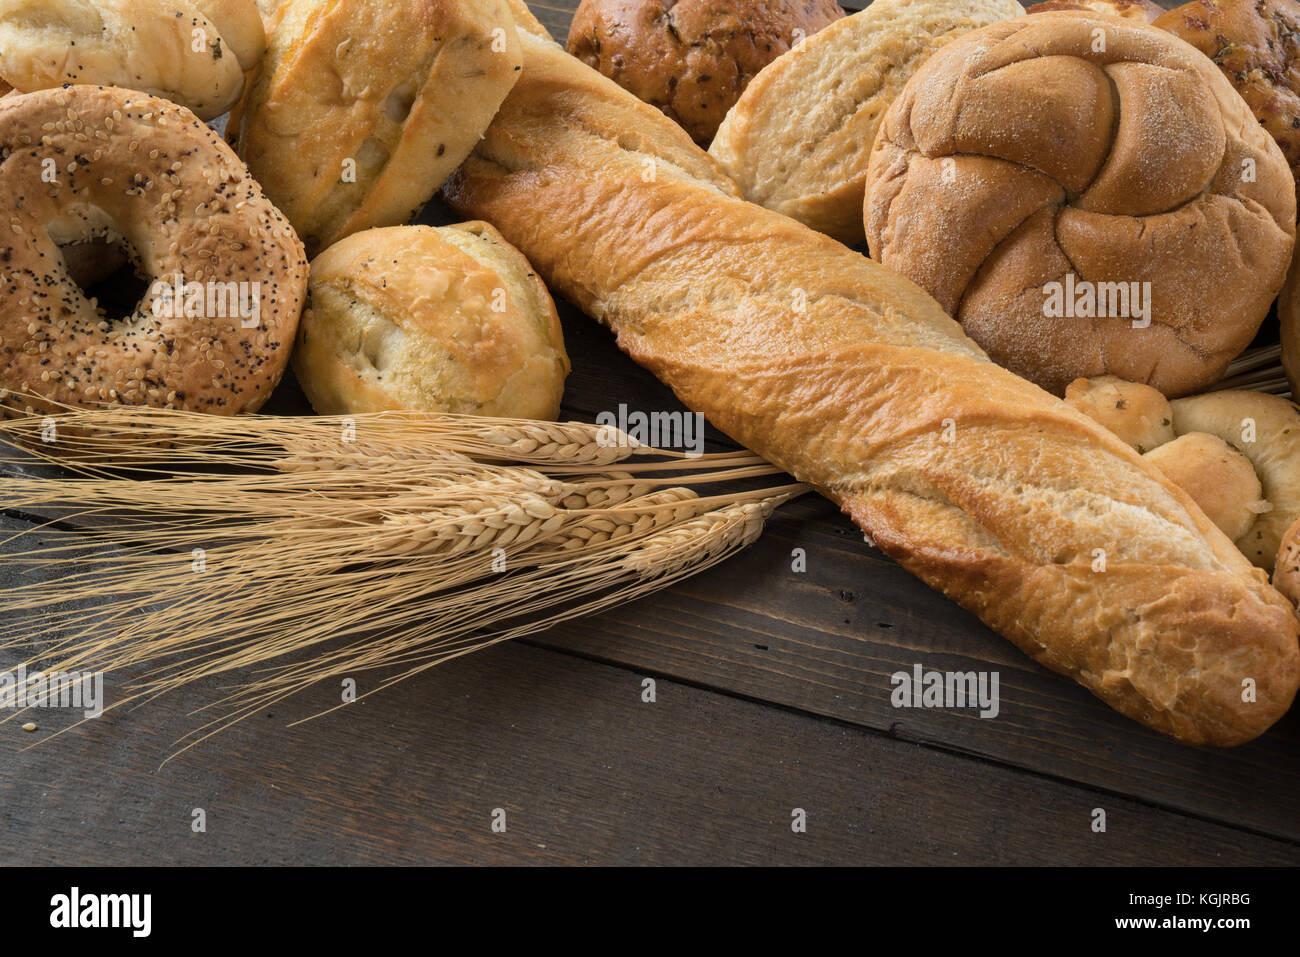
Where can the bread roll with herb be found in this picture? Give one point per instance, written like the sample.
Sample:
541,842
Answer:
1137,413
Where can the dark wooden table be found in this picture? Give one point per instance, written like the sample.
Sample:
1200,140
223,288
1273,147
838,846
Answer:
773,694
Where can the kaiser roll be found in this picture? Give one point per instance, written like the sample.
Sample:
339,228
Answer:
1087,196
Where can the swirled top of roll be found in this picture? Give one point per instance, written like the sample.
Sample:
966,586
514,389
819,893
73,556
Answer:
1102,156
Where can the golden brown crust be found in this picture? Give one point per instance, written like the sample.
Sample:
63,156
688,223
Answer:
1220,479
446,319
1021,177
147,45
1286,573
186,206
1137,413
346,135
1139,11
691,58
854,380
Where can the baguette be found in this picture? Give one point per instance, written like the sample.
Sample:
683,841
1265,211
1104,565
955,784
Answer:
1050,529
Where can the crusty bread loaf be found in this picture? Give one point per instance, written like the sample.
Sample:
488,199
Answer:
147,45
1084,211
798,139
435,319
1025,511
361,110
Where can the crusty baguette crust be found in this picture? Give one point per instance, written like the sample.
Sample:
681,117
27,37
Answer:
853,379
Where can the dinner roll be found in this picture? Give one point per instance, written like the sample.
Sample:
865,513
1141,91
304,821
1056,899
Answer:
1086,195
1266,429
799,138
1137,413
437,319
691,58
1218,478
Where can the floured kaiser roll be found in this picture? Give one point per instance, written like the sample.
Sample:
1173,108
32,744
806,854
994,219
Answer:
445,319
798,139
1086,196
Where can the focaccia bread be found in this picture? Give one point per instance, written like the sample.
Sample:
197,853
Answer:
799,138
1052,530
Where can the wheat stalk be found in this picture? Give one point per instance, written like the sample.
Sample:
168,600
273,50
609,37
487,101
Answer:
421,539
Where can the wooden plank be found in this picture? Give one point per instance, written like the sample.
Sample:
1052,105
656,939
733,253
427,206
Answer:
586,773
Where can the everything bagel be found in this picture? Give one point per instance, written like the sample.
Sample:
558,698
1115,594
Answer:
226,272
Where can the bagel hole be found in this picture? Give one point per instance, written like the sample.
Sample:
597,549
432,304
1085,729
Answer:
103,270
119,293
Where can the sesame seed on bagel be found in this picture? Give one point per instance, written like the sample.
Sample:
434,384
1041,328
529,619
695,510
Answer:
226,273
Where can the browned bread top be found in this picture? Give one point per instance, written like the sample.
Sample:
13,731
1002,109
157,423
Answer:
1086,196
1140,11
691,58
1256,43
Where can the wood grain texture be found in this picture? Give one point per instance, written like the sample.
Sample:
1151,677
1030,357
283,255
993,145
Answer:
773,693
585,771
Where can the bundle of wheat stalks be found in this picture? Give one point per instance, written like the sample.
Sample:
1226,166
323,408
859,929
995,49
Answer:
312,549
